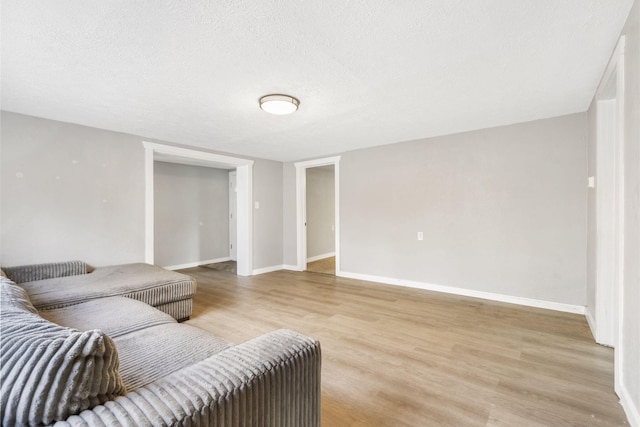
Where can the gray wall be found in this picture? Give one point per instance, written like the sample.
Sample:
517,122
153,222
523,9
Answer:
70,192
320,211
191,213
267,219
95,210
503,210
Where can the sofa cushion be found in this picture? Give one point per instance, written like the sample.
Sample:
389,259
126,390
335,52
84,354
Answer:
114,315
147,283
152,353
49,372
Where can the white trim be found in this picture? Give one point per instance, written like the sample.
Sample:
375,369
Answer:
605,223
319,257
590,320
326,161
301,213
149,208
268,269
244,175
610,143
529,302
290,267
619,230
244,214
173,152
301,198
196,264
233,207
630,408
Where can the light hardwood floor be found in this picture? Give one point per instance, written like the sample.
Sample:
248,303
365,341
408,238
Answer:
395,356
324,266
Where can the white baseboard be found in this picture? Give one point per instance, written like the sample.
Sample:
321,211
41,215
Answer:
197,263
630,407
267,269
319,257
275,268
529,302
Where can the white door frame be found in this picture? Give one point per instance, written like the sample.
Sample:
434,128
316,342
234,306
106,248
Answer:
301,207
244,175
610,207
233,229
605,196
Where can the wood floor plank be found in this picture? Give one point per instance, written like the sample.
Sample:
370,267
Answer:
396,356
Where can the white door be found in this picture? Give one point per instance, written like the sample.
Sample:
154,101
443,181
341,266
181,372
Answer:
232,216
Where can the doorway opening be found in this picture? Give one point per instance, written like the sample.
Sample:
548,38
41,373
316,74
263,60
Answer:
320,208
318,220
191,225
244,185
230,265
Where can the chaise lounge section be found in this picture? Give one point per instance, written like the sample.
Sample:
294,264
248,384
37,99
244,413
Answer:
60,284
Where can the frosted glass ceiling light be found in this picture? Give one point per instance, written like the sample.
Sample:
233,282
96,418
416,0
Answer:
279,104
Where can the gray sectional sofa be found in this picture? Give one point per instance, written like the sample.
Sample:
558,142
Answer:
111,358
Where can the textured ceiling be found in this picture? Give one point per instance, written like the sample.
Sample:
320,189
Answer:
367,72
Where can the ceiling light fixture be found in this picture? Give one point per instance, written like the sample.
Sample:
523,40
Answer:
279,104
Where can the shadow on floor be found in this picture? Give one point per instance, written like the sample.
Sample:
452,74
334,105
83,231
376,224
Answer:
230,266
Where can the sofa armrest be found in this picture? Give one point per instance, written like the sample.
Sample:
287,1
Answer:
33,272
272,380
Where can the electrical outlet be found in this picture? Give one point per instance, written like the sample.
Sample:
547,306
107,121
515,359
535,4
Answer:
420,235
